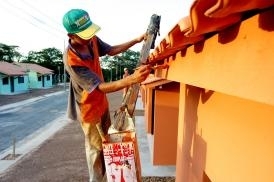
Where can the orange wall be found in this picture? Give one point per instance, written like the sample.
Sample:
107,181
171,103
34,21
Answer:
165,124
237,61
227,134
228,138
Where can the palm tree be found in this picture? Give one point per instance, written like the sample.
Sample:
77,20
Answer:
9,53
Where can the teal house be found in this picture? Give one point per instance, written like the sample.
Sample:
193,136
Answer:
13,79
39,76
16,78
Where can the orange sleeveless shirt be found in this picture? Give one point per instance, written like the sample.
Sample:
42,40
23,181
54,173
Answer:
92,104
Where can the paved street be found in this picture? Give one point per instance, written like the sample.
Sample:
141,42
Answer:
20,121
56,154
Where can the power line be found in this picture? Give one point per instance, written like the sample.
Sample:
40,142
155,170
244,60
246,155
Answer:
34,17
41,12
37,20
18,15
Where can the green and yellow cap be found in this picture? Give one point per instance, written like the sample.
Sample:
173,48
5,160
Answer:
77,21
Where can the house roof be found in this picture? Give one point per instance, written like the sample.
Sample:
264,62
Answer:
153,81
205,18
11,69
35,67
225,46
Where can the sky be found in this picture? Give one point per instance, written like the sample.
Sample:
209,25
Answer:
34,25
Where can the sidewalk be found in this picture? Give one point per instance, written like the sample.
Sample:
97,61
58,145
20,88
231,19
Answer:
60,155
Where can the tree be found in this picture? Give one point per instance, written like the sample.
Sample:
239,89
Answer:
129,59
51,58
32,57
113,66
48,55
108,67
9,53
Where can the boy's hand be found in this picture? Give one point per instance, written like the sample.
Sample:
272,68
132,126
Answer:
141,73
141,38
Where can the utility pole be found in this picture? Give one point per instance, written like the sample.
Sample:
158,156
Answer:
65,76
59,75
111,74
